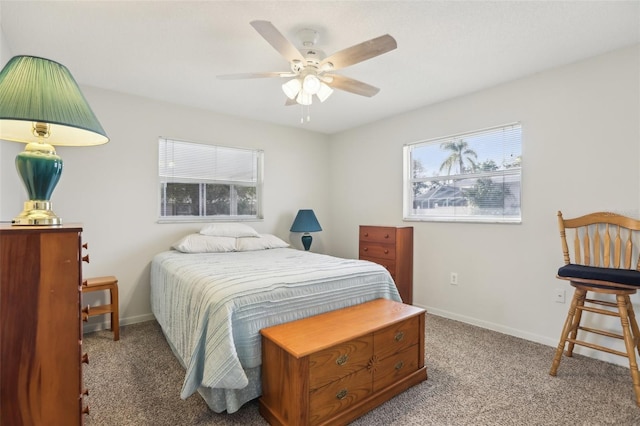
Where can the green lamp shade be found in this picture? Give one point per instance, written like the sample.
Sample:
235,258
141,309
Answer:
41,105
38,90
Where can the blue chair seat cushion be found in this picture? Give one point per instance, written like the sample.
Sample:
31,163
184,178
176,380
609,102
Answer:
613,275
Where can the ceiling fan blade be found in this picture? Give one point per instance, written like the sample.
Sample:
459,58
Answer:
360,52
277,40
350,85
256,75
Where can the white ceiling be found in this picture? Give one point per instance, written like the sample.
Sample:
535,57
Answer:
173,50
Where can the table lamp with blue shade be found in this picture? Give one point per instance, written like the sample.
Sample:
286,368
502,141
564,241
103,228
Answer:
41,105
306,222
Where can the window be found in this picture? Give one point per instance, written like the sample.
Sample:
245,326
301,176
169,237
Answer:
205,182
470,177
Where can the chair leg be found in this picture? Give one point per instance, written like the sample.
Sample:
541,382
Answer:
115,313
570,324
581,295
634,325
623,302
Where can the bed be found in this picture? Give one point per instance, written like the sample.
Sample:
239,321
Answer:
212,302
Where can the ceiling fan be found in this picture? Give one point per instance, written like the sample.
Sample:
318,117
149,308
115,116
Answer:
313,74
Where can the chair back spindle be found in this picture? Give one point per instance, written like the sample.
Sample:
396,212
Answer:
602,239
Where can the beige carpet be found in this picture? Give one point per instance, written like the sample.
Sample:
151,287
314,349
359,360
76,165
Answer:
476,377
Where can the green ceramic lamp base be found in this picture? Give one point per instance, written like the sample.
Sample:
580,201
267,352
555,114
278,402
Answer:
40,168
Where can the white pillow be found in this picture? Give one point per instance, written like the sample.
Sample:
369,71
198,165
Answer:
232,230
265,241
197,243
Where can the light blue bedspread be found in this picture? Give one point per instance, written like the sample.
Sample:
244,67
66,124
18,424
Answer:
211,307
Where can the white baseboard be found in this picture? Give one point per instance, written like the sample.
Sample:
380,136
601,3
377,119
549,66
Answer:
105,324
602,356
494,327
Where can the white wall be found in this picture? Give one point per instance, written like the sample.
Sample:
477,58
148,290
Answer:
581,149
112,189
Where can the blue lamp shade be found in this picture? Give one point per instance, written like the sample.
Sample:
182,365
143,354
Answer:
306,222
41,105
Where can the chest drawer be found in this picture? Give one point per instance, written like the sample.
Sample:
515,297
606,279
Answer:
378,234
396,338
377,250
339,361
339,395
389,264
391,369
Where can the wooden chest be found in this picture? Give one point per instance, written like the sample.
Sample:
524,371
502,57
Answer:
332,368
40,330
392,248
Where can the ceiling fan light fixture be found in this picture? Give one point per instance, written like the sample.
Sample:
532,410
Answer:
311,84
304,98
291,88
324,92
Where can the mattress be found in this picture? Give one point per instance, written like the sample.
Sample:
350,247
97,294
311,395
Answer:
212,306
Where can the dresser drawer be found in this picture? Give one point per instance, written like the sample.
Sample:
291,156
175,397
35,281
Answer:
396,338
377,250
389,264
395,367
339,361
379,234
339,395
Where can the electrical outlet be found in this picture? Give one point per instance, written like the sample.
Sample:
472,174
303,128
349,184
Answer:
453,278
559,295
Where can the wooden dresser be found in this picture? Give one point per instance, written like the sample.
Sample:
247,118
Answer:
331,368
40,326
391,247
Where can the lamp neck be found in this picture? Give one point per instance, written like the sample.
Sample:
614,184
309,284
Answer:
41,146
40,129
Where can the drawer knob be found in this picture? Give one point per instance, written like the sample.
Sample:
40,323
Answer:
366,234
399,336
386,251
85,392
85,410
342,394
342,359
85,313
386,235
85,258
399,365
365,249
85,358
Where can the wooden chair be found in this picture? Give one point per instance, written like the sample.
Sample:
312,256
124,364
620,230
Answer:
605,262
